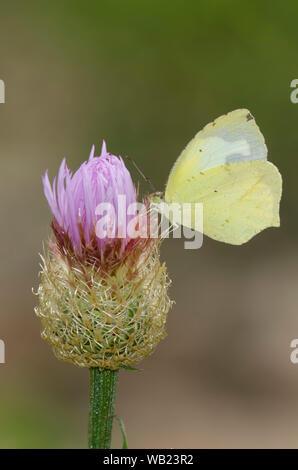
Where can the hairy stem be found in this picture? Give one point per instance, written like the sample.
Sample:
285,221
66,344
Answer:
103,385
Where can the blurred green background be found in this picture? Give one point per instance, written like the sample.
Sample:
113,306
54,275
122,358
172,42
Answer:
146,76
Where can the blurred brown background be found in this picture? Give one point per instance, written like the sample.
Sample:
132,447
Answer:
146,76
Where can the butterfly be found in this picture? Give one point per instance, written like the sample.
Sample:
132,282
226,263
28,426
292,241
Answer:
225,168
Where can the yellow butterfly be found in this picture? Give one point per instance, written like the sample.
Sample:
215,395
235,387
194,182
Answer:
225,167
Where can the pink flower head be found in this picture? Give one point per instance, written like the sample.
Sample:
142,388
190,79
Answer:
74,200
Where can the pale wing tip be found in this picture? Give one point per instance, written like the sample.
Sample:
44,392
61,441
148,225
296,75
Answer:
243,111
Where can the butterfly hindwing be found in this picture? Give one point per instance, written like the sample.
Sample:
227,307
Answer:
239,199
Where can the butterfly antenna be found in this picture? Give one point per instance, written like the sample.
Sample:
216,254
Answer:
141,173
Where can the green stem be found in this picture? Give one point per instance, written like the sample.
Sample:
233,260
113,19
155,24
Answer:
103,385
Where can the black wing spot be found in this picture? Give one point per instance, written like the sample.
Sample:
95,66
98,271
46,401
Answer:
249,117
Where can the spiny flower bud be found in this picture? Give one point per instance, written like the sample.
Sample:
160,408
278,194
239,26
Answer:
102,299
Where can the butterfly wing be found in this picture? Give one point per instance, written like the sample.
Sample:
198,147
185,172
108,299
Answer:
225,167
239,199
230,138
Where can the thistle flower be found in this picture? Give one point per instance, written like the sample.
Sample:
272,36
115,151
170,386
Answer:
74,199
102,299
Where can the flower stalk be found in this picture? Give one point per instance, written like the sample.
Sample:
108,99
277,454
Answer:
103,387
